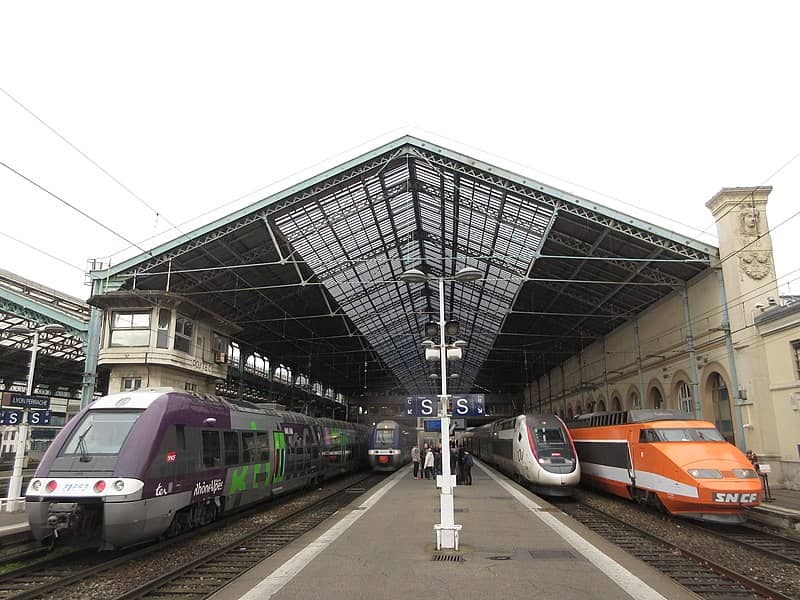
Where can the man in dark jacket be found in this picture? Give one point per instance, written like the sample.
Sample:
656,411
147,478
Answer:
467,468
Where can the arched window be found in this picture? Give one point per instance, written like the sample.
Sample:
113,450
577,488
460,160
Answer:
570,414
722,407
685,397
633,401
655,397
601,406
282,373
616,405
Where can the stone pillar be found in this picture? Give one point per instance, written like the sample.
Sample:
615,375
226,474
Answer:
748,271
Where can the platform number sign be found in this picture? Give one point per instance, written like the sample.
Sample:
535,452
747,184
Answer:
469,405
421,406
39,417
15,417
10,417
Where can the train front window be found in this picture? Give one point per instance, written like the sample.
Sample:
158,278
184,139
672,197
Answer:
547,437
686,434
101,433
384,438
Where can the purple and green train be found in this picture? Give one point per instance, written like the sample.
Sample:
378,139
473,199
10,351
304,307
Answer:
135,466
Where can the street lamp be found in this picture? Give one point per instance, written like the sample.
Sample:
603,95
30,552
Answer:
15,484
447,531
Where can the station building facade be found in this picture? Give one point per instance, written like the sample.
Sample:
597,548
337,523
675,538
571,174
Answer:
726,348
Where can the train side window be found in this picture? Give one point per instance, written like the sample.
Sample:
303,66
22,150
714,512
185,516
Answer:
519,437
648,435
248,447
212,456
262,446
231,447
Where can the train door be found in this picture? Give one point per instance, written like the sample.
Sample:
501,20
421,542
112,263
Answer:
279,463
632,445
163,468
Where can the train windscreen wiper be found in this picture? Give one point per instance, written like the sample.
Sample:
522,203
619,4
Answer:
82,445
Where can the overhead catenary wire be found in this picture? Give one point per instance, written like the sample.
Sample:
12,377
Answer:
40,251
577,281
76,209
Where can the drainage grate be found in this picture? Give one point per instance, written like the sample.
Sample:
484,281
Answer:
455,510
500,557
448,557
552,555
355,490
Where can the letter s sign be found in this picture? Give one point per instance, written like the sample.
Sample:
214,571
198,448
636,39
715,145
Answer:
426,407
461,407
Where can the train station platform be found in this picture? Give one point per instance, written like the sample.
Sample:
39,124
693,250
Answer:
512,545
781,509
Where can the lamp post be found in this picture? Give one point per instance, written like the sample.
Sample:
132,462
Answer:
15,484
447,531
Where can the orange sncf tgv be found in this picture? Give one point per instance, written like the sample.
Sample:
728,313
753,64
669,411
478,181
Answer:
667,459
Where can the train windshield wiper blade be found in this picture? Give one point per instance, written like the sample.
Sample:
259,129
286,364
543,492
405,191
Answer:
82,445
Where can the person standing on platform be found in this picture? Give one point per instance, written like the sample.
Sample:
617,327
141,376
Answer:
460,463
428,464
467,468
753,458
415,460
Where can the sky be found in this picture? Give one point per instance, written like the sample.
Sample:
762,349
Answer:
119,121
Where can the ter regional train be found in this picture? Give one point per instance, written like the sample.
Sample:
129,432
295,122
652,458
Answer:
134,466
534,449
390,445
667,459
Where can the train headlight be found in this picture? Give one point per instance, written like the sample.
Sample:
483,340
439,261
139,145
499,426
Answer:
119,485
99,486
745,473
705,473
36,485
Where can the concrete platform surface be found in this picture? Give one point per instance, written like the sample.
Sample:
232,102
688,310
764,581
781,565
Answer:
514,545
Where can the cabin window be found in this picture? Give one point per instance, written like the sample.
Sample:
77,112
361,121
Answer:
384,438
184,332
130,384
687,434
162,334
101,433
130,328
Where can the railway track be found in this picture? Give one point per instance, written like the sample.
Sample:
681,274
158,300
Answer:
705,578
51,574
214,570
778,546
63,572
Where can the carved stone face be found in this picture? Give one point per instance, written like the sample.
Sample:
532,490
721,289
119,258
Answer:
749,218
